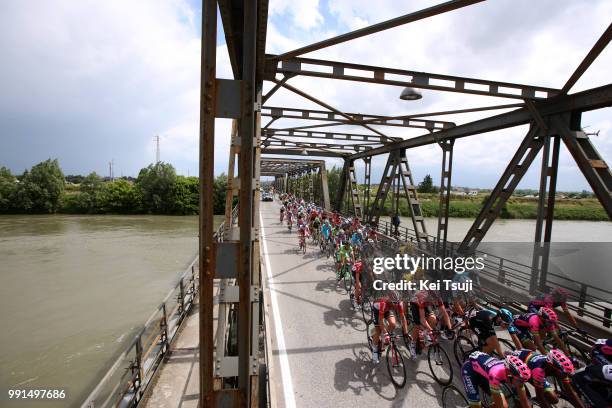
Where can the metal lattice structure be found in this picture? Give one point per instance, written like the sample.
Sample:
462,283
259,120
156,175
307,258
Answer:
553,116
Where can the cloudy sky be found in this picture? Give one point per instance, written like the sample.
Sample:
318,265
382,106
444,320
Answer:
91,81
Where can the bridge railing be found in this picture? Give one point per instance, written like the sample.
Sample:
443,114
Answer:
124,384
587,301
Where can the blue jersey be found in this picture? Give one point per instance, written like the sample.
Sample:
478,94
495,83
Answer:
356,239
326,229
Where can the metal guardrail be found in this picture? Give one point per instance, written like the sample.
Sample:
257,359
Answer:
585,300
124,384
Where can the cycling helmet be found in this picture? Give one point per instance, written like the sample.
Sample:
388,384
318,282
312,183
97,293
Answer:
517,368
360,231
505,315
559,294
394,296
548,314
560,361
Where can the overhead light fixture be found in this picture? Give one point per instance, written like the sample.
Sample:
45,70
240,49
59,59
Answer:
410,94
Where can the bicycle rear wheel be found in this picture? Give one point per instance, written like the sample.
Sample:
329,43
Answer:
440,364
366,309
461,348
578,355
348,280
396,366
452,397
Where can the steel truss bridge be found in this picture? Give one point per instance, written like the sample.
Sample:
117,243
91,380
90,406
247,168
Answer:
232,255
553,116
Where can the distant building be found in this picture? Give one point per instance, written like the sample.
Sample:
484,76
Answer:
473,193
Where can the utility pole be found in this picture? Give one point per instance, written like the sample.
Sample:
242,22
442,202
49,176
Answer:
157,149
111,169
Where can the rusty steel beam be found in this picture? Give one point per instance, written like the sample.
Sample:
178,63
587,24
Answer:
206,240
335,136
599,46
401,77
348,117
582,101
385,25
312,145
360,118
377,121
301,152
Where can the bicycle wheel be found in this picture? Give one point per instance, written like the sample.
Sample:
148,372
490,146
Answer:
581,359
347,279
440,364
396,366
366,309
452,397
462,347
304,247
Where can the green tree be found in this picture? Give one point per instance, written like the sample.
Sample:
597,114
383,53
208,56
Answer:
90,193
185,197
8,188
41,188
156,184
219,194
426,186
120,197
334,176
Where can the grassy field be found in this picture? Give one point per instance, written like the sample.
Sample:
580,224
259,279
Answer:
517,207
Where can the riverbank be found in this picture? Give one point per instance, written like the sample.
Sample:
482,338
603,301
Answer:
582,209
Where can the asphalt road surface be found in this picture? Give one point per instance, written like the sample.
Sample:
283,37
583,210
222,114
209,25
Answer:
319,343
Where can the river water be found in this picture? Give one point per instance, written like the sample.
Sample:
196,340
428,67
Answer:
74,288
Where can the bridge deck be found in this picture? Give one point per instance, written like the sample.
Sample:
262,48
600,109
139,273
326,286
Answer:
325,360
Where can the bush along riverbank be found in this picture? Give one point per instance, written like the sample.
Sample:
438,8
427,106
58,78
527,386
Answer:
585,209
157,190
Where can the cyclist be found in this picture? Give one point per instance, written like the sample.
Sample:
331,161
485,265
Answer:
554,364
346,256
423,317
326,230
557,298
356,271
483,322
386,309
595,380
335,219
532,326
282,213
356,224
357,240
316,225
484,371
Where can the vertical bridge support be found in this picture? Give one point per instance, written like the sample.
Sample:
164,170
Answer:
445,193
398,170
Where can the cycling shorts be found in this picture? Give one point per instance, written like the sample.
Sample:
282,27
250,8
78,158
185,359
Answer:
387,315
416,316
483,329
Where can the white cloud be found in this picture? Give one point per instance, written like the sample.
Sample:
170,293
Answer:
107,76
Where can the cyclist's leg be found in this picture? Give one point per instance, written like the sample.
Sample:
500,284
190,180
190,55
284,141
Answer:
391,321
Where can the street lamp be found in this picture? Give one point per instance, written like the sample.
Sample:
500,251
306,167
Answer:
410,94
